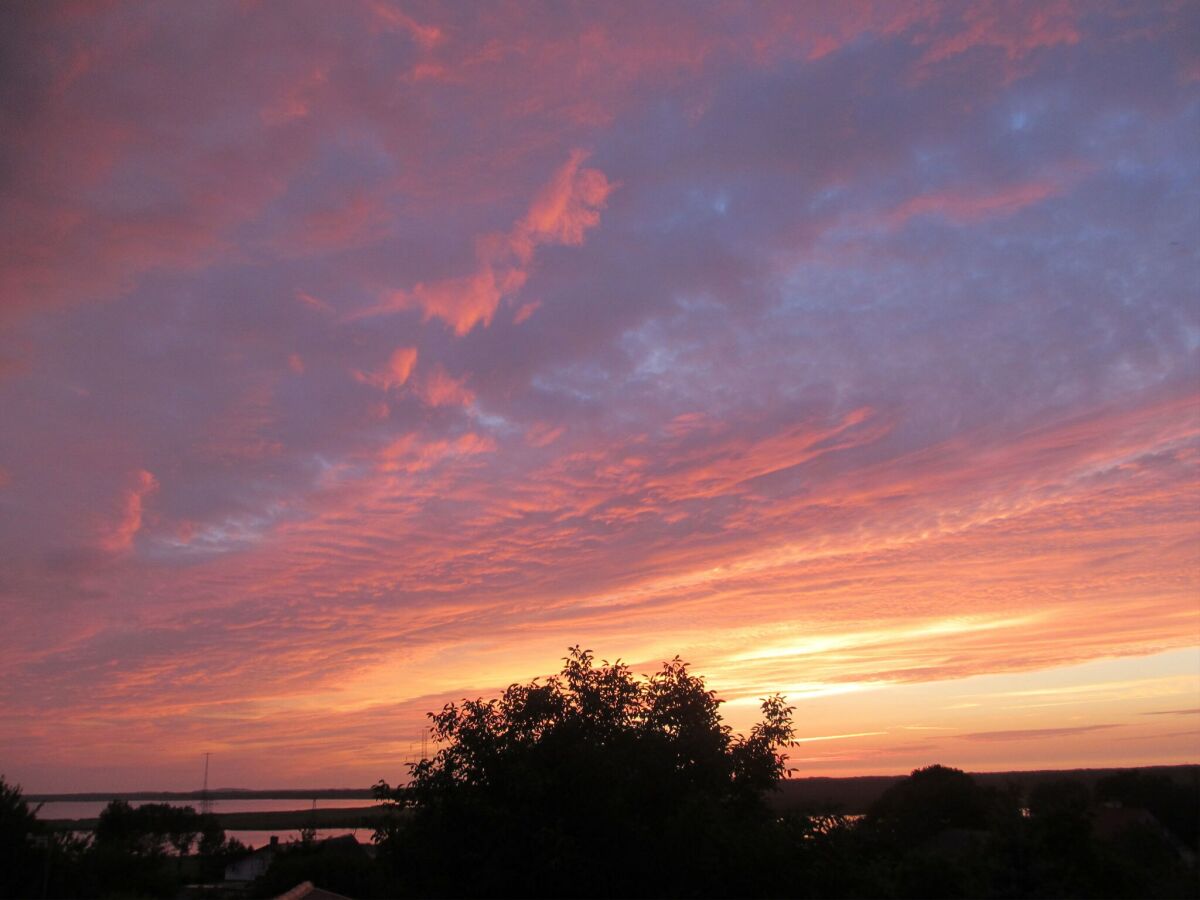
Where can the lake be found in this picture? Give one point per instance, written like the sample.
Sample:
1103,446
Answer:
90,809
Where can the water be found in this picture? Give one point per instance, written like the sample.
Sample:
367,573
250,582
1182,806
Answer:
257,839
90,809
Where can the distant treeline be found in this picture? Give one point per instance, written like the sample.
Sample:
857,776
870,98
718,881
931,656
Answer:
855,795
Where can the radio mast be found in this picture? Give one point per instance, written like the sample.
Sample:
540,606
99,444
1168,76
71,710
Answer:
205,803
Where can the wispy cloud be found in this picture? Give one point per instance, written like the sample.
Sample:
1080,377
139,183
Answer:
1195,711
1033,734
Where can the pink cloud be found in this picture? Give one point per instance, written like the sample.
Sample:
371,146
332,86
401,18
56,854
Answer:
439,388
972,206
1034,734
525,310
388,15
410,454
563,211
542,434
296,103
1016,32
357,218
727,464
118,535
313,302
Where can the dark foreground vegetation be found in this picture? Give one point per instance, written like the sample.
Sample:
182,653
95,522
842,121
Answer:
596,783
142,852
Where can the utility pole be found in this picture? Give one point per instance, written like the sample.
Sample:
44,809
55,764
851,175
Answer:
47,844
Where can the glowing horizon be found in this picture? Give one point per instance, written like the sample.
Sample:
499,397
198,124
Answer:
354,360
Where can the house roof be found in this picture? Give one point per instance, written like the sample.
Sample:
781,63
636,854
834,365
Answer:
341,842
306,890
1109,821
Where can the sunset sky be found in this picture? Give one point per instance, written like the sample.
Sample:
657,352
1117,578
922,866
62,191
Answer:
356,357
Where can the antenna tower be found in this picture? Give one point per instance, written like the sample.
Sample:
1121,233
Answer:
412,759
205,803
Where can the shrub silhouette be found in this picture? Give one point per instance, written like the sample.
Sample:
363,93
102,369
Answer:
594,782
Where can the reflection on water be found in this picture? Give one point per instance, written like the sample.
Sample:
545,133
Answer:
255,840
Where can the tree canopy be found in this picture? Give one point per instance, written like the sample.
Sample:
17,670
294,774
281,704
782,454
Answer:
593,781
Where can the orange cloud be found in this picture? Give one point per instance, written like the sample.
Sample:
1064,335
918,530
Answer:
565,209
465,302
395,373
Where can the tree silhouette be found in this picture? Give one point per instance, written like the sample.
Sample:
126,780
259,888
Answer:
934,834
1175,803
930,801
593,782
18,828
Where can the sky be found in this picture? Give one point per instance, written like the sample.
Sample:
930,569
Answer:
359,357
